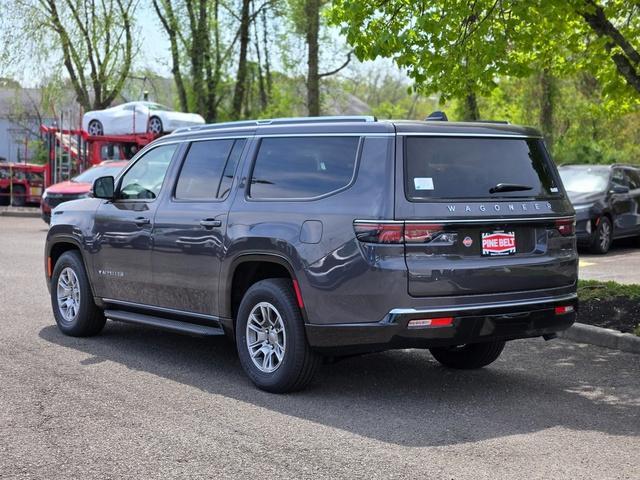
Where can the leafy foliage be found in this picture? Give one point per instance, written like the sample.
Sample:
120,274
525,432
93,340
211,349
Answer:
455,47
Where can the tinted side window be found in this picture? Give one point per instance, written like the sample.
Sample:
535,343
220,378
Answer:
303,167
633,179
618,178
202,170
144,179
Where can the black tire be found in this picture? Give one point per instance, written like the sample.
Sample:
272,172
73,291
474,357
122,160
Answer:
602,237
299,362
95,128
155,126
467,357
18,196
88,320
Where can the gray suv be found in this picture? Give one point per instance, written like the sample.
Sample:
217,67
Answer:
325,237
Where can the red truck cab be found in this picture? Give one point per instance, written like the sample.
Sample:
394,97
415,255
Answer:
21,183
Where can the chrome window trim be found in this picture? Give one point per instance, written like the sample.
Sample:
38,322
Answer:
478,220
348,134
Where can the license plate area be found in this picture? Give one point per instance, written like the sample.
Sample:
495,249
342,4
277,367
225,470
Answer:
498,243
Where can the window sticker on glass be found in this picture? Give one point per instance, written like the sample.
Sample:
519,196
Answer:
423,183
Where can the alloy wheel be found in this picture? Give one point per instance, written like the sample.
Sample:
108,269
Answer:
266,337
68,291
155,125
94,128
605,236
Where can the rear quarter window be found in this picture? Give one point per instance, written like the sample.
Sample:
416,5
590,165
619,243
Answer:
468,168
303,167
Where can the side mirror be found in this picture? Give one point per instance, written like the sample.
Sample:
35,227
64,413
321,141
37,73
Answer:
620,189
103,188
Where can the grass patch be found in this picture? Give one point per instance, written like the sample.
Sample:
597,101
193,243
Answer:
596,290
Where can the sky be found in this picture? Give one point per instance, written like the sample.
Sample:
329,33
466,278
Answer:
155,45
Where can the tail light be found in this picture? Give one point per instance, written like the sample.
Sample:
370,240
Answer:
564,309
380,232
395,232
566,227
420,233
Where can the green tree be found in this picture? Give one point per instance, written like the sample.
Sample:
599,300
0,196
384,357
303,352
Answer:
95,41
460,48
308,21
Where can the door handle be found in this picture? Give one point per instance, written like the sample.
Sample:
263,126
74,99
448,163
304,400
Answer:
140,221
209,223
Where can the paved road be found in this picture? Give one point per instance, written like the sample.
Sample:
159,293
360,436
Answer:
139,403
621,264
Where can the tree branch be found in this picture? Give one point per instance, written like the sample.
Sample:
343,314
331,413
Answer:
341,67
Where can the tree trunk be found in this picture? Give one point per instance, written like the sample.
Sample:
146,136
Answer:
267,65
241,75
470,111
199,21
627,58
548,90
313,74
170,24
261,84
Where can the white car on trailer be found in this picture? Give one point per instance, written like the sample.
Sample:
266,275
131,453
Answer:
137,117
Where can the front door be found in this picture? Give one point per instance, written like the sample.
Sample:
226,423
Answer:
633,180
622,204
122,230
190,225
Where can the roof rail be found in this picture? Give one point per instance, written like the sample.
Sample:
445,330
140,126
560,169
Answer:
278,121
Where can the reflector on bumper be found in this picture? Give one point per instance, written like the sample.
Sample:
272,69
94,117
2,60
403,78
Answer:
430,322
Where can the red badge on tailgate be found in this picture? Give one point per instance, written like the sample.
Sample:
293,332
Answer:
498,243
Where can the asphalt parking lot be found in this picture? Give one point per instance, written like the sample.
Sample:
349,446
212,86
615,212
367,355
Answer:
135,402
621,264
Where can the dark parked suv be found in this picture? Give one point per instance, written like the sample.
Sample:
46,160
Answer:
607,203
303,238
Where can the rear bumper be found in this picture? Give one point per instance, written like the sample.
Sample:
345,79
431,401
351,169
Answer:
471,324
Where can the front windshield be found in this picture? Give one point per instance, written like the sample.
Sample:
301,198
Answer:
90,175
157,106
584,180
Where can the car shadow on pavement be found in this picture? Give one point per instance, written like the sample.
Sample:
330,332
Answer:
403,397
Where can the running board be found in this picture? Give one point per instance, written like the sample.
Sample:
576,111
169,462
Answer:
163,323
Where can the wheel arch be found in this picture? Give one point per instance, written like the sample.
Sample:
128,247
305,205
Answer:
248,269
56,248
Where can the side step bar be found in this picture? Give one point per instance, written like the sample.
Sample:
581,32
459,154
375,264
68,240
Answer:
163,323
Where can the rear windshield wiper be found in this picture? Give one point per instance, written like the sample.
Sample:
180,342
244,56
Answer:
509,187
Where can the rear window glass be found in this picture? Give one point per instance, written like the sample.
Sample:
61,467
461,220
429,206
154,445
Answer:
303,167
202,170
208,169
451,167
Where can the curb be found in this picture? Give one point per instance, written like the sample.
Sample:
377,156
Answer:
31,213
602,337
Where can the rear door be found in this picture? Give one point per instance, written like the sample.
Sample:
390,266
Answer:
190,225
483,215
622,204
633,181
